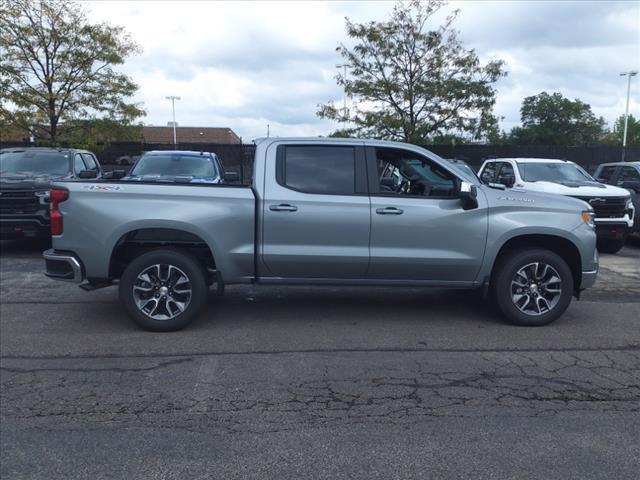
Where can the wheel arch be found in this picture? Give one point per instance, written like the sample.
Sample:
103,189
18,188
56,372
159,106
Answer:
562,246
137,241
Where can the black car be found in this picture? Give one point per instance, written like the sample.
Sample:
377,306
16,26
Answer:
624,175
25,180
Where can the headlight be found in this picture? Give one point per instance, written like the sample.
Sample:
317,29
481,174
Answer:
629,204
588,218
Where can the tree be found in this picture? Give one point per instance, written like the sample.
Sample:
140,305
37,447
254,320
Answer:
410,83
56,67
633,131
555,120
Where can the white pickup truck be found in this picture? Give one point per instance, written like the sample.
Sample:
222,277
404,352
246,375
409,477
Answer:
613,207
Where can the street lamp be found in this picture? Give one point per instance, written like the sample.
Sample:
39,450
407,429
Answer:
173,99
629,74
344,95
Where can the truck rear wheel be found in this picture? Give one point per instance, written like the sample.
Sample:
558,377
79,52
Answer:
532,287
163,290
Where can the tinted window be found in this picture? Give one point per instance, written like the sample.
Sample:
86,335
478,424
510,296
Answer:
628,174
30,162
317,169
402,172
506,175
607,173
489,172
90,161
78,164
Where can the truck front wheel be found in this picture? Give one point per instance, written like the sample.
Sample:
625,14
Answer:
163,290
610,246
532,287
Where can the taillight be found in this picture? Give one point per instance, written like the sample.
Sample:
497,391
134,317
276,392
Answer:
58,195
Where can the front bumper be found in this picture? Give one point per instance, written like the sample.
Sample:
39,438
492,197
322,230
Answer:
17,227
63,266
612,230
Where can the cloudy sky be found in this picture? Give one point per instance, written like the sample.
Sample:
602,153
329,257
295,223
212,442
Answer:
244,65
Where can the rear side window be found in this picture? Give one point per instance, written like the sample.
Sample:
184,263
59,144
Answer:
628,174
318,169
489,172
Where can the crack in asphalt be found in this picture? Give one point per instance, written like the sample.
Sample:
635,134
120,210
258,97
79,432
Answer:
191,393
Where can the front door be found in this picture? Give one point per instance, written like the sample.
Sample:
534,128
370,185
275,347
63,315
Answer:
316,220
420,229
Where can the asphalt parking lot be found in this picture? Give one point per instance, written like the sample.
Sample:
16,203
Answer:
317,383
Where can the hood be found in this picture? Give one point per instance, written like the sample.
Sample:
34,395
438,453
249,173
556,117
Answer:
522,199
576,189
26,181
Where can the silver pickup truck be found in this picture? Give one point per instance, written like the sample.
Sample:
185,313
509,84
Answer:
323,212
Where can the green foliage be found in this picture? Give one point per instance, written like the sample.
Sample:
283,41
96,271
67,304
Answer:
409,83
56,68
555,120
614,137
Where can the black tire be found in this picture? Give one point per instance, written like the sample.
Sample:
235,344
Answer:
184,266
610,246
505,272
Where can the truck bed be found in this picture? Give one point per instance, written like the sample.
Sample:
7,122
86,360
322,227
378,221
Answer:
99,215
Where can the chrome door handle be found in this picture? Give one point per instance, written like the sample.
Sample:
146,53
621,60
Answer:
283,207
389,211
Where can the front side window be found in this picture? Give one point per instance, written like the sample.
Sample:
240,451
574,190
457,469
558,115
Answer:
78,164
506,176
55,164
489,173
318,169
556,172
628,174
607,173
90,161
402,172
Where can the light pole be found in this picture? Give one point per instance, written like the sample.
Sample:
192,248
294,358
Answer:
344,95
173,99
629,74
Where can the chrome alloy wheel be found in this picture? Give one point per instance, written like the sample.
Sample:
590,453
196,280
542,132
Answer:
536,288
162,291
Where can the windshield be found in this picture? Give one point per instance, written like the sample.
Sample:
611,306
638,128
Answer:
172,165
465,168
553,172
37,163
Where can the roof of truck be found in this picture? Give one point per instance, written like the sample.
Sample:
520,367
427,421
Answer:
530,160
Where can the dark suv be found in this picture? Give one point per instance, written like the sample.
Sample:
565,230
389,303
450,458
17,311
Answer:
625,175
25,180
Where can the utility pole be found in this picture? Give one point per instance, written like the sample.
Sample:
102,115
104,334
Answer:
629,74
267,130
173,99
344,94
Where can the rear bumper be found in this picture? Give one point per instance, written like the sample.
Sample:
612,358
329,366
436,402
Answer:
63,266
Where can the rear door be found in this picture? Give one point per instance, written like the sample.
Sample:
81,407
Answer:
420,229
316,218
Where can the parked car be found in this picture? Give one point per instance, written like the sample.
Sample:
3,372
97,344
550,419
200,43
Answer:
321,212
613,207
624,175
25,180
178,166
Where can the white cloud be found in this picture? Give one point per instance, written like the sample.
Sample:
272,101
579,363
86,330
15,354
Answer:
244,65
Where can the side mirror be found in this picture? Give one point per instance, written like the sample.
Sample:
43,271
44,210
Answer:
87,174
114,175
387,182
468,195
231,177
